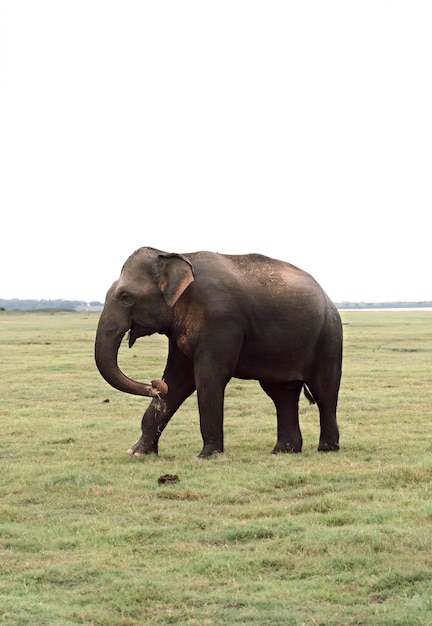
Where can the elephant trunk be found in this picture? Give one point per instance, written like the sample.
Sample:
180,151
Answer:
107,345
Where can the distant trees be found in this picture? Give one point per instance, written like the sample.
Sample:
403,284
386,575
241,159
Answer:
40,305
384,305
80,305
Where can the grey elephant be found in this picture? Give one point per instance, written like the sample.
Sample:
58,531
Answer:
225,316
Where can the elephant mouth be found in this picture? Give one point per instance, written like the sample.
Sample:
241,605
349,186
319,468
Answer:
135,332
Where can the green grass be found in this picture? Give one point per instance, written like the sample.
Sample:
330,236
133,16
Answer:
87,536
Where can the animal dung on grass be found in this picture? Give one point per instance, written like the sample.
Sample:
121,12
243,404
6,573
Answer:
168,479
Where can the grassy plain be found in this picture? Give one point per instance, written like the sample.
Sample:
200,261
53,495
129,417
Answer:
88,536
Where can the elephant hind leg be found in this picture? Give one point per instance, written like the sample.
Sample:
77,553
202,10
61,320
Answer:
326,399
286,397
323,380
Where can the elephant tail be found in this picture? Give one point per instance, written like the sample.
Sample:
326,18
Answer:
307,392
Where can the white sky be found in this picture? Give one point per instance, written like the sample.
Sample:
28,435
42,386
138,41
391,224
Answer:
300,129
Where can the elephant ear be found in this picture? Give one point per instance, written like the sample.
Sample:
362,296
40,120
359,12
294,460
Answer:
175,275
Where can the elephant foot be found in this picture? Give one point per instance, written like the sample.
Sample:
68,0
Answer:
287,448
142,448
208,451
328,446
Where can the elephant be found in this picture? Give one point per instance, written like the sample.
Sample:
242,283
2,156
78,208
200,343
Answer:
225,316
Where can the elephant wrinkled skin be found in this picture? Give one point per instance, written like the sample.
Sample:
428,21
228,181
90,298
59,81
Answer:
243,316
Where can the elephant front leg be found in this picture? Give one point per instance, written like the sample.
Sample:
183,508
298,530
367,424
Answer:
153,423
179,377
211,424
213,370
211,406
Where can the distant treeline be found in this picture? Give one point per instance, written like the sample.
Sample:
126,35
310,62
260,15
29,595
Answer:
79,305
43,305
384,305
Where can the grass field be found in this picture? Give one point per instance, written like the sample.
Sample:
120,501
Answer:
88,536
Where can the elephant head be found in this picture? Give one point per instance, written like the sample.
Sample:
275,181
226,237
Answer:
141,301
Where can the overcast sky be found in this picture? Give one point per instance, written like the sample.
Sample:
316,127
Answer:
299,129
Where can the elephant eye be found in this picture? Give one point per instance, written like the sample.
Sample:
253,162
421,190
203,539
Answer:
127,299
